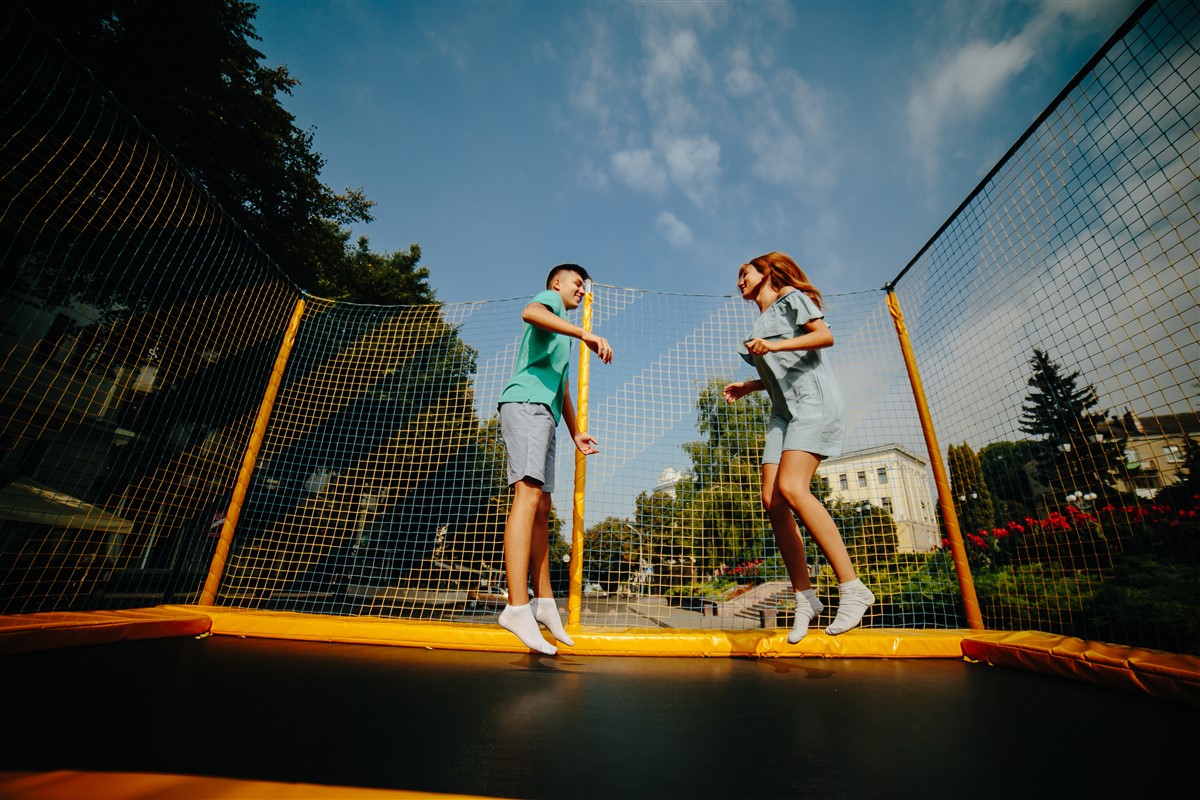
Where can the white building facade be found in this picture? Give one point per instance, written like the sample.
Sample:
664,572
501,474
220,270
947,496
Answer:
895,479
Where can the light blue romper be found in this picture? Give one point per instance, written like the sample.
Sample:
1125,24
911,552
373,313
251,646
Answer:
807,409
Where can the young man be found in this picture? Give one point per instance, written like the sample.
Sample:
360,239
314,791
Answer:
533,401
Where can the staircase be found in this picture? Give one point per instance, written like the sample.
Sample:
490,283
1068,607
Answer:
751,604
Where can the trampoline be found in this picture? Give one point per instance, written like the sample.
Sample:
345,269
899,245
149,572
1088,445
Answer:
193,428
515,725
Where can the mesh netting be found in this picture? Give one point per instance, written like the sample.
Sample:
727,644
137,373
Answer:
164,430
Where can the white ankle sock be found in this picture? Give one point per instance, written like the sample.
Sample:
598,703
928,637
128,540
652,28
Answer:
811,596
805,611
545,611
853,601
519,620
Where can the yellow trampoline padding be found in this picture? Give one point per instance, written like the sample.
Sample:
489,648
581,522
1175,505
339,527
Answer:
48,630
1169,676
863,643
72,785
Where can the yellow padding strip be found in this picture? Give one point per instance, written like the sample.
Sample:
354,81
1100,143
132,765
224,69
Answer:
71,785
1165,675
868,643
48,630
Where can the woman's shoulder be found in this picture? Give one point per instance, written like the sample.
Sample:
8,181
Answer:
799,304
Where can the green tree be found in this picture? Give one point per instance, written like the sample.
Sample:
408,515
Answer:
609,552
733,432
1004,471
868,531
1074,455
723,519
972,498
190,73
364,276
657,523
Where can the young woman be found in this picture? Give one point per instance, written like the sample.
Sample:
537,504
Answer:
808,423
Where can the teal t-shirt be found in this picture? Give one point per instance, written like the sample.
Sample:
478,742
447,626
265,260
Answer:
540,374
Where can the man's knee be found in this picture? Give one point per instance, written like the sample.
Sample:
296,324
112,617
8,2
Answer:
528,492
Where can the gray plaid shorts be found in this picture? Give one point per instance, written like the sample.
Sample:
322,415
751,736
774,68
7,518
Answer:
529,432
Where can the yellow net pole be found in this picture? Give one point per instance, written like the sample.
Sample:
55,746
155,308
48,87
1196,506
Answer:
575,599
953,533
217,568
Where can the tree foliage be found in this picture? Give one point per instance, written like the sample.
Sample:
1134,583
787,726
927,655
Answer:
1004,471
723,517
658,520
868,531
972,498
733,434
364,276
190,73
1073,454
609,549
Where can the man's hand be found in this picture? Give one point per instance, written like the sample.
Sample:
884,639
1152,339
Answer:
585,443
598,345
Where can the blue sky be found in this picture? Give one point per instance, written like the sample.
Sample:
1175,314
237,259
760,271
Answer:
663,144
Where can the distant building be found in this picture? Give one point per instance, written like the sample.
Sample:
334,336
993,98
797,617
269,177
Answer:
668,479
1155,449
895,479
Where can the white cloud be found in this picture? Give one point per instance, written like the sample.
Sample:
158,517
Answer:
671,59
674,230
790,133
674,67
741,79
966,82
639,169
589,92
692,163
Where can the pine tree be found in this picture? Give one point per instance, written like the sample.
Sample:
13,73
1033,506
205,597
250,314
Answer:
1073,454
1004,471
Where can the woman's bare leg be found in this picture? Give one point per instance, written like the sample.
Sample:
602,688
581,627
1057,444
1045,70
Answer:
796,470
787,532
791,548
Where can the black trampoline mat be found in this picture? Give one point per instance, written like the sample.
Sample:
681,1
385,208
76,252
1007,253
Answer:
524,726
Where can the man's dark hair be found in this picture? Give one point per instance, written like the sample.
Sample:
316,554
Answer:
583,273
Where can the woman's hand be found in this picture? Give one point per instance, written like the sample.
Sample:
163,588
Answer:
736,391
760,347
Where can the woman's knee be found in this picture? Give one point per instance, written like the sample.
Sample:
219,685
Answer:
776,505
769,496
794,494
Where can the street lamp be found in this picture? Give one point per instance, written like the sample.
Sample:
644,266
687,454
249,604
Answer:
641,572
1081,497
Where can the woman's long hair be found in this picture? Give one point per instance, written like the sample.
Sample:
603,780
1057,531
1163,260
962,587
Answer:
779,269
